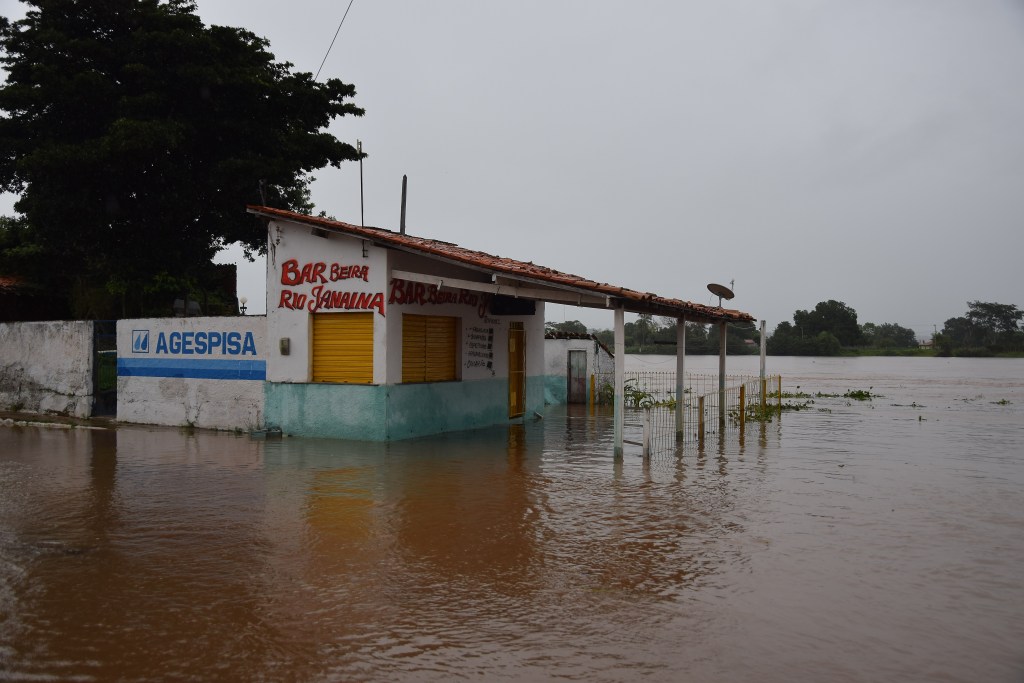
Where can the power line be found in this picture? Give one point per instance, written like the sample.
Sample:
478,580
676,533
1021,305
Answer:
333,39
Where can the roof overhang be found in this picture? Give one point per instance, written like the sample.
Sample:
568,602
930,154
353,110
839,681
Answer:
510,277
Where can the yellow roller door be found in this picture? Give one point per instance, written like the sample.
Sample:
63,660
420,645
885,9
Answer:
440,349
429,348
414,341
516,369
343,348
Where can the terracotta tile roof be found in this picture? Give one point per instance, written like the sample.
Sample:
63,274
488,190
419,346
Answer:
633,301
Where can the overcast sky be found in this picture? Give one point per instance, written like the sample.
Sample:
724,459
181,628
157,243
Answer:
870,152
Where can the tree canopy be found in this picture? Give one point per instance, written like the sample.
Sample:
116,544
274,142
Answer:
571,327
888,336
820,332
135,135
830,316
650,335
986,328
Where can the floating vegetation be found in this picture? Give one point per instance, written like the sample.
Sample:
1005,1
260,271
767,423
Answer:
790,394
861,395
1002,402
793,394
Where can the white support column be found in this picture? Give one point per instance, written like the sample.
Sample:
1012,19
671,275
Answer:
722,327
620,364
763,348
680,374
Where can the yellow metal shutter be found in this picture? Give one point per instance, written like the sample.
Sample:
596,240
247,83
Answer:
343,348
440,349
414,336
429,348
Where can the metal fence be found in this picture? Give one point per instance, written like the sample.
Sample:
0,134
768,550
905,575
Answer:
650,403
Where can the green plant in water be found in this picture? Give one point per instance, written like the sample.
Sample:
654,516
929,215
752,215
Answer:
756,413
861,395
634,396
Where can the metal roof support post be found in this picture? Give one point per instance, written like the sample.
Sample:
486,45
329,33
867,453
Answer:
620,365
680,375
722,326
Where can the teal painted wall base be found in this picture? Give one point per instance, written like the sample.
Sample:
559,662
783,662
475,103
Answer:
556,391
337,411
400,411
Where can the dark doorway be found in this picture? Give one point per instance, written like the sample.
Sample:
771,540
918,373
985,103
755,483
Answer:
577,390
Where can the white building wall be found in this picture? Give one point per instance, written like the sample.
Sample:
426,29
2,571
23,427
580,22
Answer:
483,349
203,372
47,367
600,363
301,269
300,266
556,357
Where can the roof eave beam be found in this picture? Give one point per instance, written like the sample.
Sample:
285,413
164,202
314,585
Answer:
555,295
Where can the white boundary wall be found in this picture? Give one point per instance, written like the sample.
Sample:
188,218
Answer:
47,367
200,372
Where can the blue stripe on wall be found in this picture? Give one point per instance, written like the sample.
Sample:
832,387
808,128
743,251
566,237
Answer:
192,369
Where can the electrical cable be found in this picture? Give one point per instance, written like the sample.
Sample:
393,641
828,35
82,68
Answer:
333,39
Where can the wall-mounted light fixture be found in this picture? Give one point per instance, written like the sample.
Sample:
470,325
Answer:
243,301
366,249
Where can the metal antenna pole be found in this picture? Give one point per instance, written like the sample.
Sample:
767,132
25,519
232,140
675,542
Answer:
405,182
362,217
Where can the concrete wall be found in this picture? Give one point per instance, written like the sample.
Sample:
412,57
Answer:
556,366
203,372
47,367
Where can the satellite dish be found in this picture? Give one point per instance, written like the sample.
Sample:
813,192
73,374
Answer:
721,291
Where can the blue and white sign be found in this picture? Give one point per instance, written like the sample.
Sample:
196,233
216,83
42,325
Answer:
175,348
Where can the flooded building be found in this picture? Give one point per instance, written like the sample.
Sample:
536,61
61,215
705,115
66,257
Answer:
379,335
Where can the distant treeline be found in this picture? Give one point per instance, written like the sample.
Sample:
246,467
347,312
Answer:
658,335
830,329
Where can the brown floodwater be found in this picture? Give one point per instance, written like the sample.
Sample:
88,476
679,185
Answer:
852,541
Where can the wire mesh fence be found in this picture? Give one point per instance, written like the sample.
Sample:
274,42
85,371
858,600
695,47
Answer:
706,408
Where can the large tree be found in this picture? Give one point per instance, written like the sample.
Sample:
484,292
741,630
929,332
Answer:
135,135
830,316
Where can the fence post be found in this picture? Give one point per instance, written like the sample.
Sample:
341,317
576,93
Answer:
780,392
647,431
764,396
700,416
591,392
